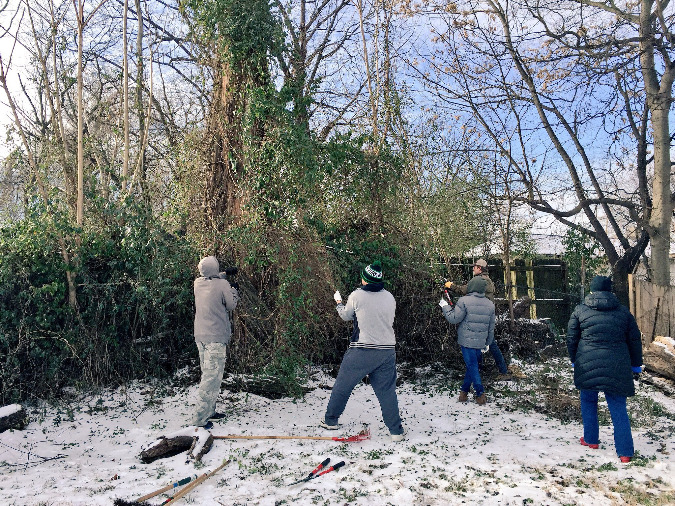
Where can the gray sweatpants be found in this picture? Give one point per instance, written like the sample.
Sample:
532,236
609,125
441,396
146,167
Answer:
212,358
380,366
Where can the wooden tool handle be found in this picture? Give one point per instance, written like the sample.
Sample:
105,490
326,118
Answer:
179,483
153,494
188,488
234,436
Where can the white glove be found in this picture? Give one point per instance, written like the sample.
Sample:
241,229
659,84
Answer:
443,303
337,297
485,350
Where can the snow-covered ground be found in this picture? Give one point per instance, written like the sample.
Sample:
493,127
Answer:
85,451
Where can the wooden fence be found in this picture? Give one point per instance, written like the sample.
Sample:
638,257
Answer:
653,307
543,280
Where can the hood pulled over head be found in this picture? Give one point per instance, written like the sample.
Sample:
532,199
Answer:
478,284
601,284
209,267
602,300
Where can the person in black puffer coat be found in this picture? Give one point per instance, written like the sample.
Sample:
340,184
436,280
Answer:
605,347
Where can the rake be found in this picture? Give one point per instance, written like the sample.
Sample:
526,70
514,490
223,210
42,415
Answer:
188,488
361,436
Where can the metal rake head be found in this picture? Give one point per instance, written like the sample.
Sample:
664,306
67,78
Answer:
361,436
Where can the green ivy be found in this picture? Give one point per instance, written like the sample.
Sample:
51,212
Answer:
579,246
134,313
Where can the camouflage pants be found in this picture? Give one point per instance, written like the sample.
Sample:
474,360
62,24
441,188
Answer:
212,358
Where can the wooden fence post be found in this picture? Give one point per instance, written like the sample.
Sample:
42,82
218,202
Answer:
529,273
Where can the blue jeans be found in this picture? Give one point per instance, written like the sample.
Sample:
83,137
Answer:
472,376
499,358
380,367
623,439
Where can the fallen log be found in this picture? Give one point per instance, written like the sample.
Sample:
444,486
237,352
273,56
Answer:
665,385
659,357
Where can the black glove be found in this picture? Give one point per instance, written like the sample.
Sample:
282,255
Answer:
234,285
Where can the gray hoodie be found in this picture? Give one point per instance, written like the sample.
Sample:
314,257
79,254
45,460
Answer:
214,297
373,315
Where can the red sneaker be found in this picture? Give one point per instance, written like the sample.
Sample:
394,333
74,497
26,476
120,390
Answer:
625,460
595,446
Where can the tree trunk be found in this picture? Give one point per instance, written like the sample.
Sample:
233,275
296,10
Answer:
140,70
620,281
662,210
221,197
80,116
659,97
125,86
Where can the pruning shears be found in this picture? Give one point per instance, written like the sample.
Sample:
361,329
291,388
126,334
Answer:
320,471
447,295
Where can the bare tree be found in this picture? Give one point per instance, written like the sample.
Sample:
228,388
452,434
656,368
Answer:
82,21
41,183
125,88
497,68
316,32
636,42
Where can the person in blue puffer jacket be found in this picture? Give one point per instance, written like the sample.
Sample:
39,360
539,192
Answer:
476,331
605,347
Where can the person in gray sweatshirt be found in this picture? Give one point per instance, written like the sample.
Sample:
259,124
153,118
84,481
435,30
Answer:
215,298
371,351
476,331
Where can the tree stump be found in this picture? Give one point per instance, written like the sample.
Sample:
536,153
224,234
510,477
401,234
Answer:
12,417
196,440
166,447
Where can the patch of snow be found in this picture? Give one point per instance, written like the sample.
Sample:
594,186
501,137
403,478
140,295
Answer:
9,410
667,343
86,453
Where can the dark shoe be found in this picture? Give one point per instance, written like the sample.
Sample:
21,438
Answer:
216,417
594,446
208,425
625,460
463,396
481,399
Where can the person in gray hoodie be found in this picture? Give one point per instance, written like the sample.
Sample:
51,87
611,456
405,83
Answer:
476,331
215,298
371,351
